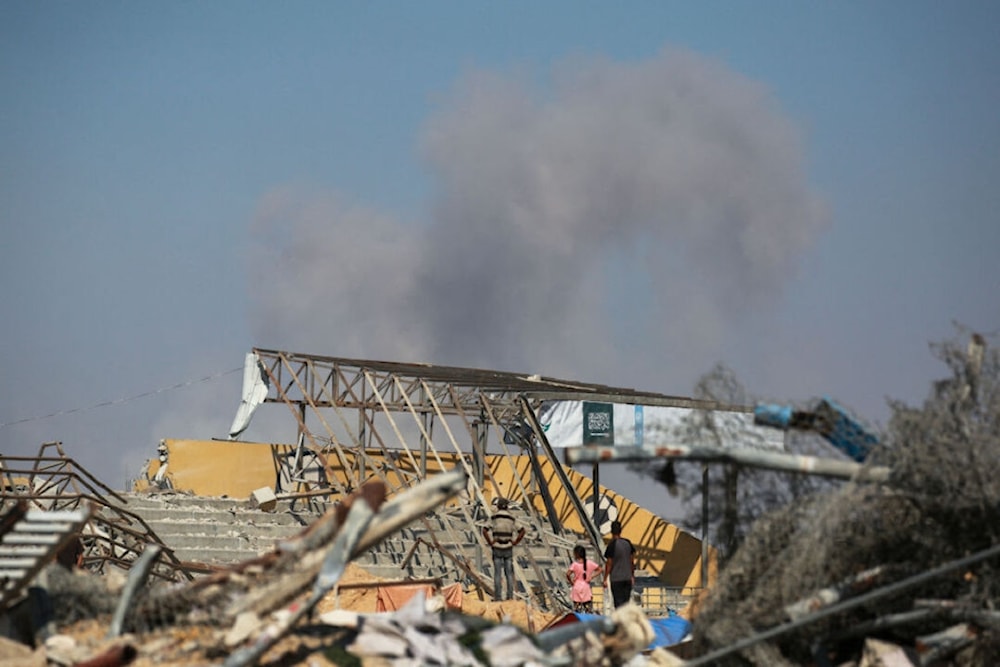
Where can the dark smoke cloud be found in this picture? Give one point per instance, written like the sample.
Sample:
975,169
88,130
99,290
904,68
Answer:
614,224
332,277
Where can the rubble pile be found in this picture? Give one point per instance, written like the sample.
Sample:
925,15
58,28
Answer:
420,633
912,563
895,569
275,610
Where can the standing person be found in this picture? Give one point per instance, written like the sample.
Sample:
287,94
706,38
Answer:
619,565
579,575
500,535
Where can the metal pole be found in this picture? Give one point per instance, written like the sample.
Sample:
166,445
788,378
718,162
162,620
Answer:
137,577
597,494
424,416
704,526
810,465
479,453
859,601
543,488
479,442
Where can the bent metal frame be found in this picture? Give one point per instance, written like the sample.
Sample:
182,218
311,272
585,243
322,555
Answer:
395,421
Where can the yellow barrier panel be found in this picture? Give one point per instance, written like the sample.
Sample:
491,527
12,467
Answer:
236,469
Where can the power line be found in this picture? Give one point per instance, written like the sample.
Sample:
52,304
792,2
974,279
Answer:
119,401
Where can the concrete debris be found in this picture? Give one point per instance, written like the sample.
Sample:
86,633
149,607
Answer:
878,653
245,625
334,563
897,567
412,636
13,652
508,647
415,636
263,610
264,499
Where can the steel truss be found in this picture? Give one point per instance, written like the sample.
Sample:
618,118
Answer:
396,421
111,536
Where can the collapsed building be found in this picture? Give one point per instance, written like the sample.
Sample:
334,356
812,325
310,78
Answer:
400,426
358,420
890,568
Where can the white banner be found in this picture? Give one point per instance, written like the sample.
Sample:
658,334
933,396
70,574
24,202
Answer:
636,425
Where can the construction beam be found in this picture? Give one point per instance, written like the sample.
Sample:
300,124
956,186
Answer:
809,465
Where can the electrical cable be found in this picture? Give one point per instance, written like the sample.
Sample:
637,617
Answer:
119,401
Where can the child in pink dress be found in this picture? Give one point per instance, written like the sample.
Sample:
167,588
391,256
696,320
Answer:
579,575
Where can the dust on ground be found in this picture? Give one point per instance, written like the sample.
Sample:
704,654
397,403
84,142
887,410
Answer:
186,645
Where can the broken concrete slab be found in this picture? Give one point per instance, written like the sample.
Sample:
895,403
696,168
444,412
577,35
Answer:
264,499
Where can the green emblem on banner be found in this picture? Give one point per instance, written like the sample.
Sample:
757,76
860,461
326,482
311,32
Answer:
598,424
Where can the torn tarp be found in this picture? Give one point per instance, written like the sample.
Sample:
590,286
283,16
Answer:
255,388
668,631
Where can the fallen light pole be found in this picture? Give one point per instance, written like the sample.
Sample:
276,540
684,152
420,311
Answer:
846,605
810,465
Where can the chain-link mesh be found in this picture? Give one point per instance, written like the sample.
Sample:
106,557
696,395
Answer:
942,504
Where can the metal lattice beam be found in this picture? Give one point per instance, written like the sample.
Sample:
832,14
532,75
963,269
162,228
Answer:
394,419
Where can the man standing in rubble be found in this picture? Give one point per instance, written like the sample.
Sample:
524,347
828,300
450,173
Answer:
500,535
619,565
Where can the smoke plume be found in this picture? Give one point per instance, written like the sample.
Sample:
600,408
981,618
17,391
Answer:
614,223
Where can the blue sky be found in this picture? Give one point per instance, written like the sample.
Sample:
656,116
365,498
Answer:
626,193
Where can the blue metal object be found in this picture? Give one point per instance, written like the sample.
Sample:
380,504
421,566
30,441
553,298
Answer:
828,419
768,414
843,431
666,631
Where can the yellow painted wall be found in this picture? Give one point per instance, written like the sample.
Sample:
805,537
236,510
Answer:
219,468
661,547
236,469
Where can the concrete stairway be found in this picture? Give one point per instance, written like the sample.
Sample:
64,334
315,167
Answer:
214,530
413,553
224,531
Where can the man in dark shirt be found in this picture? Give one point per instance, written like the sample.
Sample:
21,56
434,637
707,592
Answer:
619,565
500,535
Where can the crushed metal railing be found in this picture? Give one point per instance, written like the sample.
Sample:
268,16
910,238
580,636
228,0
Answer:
260,586
112,536
30,539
